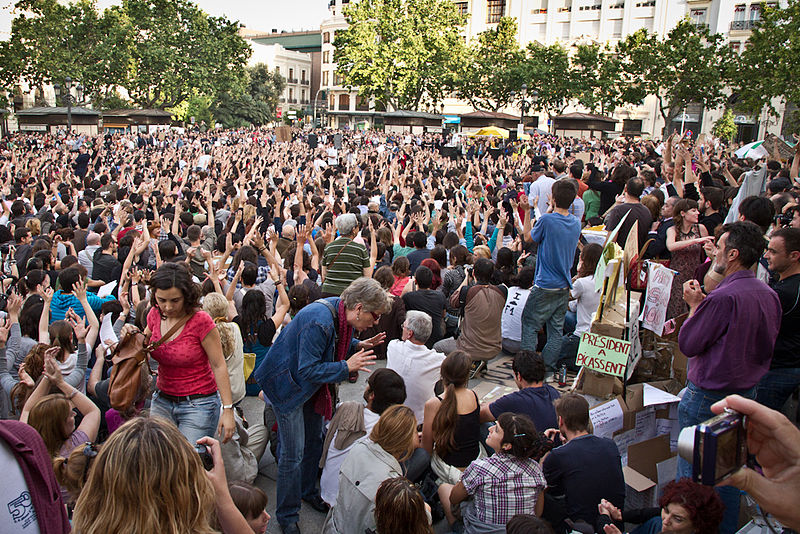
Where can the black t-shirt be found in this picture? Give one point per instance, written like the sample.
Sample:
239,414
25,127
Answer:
712,221
787,346
431,302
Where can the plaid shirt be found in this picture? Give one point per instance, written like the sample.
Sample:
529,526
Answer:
262,276
503,486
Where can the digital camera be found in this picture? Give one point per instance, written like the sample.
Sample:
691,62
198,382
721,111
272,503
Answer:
716,448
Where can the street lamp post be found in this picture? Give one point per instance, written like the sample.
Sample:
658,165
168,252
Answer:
67,95
521,127
534,100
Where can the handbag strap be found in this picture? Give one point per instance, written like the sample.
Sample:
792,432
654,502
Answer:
337,254
644,248
177,326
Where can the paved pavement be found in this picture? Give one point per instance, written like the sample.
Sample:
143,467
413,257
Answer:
496,382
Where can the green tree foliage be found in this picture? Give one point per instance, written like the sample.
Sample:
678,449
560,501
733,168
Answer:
161,51
546,70
594,75
256,106
688,66
769,65
494,68
725,127
403,53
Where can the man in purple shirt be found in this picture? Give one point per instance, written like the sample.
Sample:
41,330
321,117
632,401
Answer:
728,337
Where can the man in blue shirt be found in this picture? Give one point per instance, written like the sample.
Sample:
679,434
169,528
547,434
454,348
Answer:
557,234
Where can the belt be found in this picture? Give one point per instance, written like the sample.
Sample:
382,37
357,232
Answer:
183,398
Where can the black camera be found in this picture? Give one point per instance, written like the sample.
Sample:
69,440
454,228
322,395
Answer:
205,457
784,219
716,448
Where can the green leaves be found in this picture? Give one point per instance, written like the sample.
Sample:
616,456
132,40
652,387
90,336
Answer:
256,106
161,51
401,52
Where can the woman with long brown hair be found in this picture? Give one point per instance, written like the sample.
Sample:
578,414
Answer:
685,240
451,428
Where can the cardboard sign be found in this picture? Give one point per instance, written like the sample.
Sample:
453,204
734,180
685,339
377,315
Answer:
659,287
283,134
603,354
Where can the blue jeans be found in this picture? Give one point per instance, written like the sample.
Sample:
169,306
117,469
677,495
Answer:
570,322
545,306
300,437
694,408
777,386
195,418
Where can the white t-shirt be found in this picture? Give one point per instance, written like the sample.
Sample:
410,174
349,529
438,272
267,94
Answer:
419,367
17,515
511,321
329,481
542,188
586,304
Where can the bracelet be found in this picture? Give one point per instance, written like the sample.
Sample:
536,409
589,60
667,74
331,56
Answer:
74,392
227,406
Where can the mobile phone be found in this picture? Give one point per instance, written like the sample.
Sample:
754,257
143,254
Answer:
205,456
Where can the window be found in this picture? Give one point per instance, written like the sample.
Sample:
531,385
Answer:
463,8
326,56
326,37
303,95
736,46
291,94
344,102
325,78
566,8
303,76
698,16
646,3
362,103
540,11
495,9
755,11
291,75
738,12
338,79
332,104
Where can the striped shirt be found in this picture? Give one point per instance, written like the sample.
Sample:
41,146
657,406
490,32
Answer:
345,260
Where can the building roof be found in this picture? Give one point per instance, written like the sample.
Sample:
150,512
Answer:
407,114
585,117
482,114
137,113
61,110
305,41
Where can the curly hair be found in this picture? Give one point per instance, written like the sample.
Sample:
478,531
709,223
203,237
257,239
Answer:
34,366
176,275
702,502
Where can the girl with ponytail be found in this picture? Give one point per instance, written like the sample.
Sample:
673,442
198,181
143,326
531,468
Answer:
451,426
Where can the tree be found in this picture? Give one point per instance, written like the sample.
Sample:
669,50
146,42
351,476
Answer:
493,70
768,66
688,66
594,75
725,127
404,53
257,105
179,51
546,70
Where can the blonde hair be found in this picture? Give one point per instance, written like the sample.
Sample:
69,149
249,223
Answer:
482,251
35,226
71,471
146,478
396,432
216,306
48,416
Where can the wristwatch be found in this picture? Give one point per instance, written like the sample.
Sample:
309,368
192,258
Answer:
227,406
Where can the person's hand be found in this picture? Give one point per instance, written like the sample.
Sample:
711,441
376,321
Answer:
374,341
552,434
4,329
48,295
775,442
79,326
611,529
217,474
51,369
301,234
360,361
24,377
129,329
226,426
610,510
228,243
79,290
692,293
14,305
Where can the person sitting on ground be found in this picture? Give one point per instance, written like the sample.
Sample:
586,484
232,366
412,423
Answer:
511,321
503,485
534,399
400,508
352,421
686,507
584,300
482,308
251,501
451,428
401,272
584,470
527,524
418,365
371,461
419,295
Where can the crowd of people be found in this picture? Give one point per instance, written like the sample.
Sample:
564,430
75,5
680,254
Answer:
246,267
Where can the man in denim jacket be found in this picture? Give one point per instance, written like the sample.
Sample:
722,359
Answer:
310,353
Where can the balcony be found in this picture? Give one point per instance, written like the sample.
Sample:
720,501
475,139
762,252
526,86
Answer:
305,82
743,25
292,80
292,101
282,100
305,101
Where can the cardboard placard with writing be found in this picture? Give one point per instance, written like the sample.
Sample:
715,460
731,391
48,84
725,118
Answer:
603,354
283,134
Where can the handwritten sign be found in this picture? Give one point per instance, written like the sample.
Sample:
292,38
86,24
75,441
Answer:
659,287
603,354
606,418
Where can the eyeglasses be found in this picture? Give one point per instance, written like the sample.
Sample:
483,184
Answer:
375,317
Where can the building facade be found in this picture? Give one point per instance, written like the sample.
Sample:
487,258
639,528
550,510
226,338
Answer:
295,67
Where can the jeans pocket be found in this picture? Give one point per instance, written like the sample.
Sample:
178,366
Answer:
205,402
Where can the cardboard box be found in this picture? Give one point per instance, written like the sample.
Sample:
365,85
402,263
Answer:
597,384
651,465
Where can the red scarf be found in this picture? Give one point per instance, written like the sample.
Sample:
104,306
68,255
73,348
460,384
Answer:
323,401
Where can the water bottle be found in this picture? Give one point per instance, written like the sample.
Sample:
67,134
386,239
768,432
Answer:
562,375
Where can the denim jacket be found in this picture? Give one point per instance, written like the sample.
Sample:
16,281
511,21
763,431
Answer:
302,358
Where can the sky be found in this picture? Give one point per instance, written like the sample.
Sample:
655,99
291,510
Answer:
255,14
